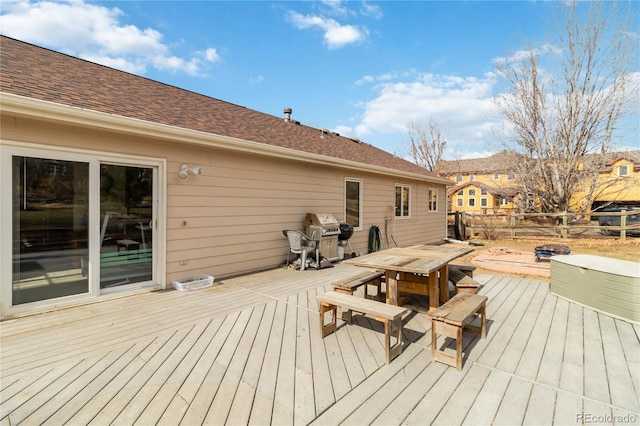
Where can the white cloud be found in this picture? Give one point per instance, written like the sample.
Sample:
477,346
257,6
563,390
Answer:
371,10
257,79
343,130
95,33
335,34
462,106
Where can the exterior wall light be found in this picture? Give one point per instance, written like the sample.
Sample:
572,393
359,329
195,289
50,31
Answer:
185,169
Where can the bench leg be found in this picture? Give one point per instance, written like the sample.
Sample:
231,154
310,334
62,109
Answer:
482,330
389,328
448,330
344,315
378,284
327,329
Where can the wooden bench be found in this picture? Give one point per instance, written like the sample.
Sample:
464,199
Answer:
463,282
390,315
467,269
349,285
451,318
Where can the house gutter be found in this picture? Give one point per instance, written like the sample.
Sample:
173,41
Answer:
51,111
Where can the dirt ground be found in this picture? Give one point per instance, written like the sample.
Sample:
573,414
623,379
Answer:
515,257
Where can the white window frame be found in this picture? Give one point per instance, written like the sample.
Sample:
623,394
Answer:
472,177
472,192
360,183
496,176
504,201
458,178
460,202
625,168
432,199
471,202
402,201
484,202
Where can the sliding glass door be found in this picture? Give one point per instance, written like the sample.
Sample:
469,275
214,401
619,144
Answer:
126,214
80,225
50,228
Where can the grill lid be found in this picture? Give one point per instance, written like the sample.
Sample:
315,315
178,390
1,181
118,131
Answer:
346,232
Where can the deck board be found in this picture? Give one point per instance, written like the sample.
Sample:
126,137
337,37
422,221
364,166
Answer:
248,351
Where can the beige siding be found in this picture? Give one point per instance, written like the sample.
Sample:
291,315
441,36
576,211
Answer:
230,219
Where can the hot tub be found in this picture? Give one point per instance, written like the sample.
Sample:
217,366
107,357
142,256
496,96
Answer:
608,285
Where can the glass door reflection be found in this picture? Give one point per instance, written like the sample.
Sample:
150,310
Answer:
126,213
50,200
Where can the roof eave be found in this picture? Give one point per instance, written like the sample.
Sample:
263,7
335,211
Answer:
52,111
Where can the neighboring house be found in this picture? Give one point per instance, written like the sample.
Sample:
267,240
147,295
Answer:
486,185
481,184
96,202
620,180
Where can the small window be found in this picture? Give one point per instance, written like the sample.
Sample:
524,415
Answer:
472,177
460,202
461,192
472,193
623,170
504,202
433,200
510,176
496,176
483,202
353,202
403,196
472,202
483,192
459,178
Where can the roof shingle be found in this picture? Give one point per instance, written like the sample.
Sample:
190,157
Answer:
42,74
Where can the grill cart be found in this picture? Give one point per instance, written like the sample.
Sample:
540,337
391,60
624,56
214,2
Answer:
546,251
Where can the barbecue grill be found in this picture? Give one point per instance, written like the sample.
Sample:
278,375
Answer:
326,229
346,232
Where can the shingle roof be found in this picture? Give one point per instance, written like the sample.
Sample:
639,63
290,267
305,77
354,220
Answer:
42,74
496,163
500,161
501,192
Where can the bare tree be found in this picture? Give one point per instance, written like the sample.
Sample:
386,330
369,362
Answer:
427,143
559,114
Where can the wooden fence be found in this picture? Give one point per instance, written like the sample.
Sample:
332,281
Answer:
563,224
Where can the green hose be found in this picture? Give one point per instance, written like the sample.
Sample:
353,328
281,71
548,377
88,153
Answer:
375,241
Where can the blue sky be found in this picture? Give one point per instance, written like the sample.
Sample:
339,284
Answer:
363,69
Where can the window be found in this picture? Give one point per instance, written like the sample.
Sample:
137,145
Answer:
504,201
353,202
433,200
510,176
483,202
472,177
623,170
496,176
483,192
459,178
472,193
460,202
403,195
461,192
472,202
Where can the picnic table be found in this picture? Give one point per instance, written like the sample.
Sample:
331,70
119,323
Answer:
418,269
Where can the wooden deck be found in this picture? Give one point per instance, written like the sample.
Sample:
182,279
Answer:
248,351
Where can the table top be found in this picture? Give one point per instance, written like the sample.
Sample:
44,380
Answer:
419,259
